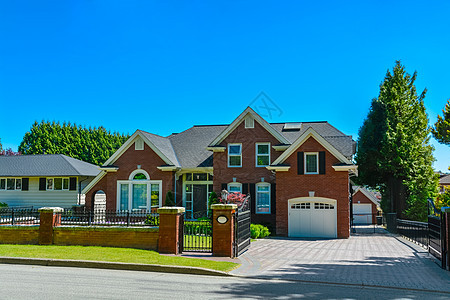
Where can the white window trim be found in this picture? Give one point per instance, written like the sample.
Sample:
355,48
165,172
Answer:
317,162
237,184
137,171
15,184
53,185
256,154
256,195
130,192
230,155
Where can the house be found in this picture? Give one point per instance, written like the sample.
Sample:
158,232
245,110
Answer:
444,183
297,174
44,180
365,206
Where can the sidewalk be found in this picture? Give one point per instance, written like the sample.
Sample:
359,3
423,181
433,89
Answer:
370,259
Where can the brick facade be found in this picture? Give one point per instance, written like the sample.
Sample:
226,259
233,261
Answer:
332,184
21,235
248,173
127,163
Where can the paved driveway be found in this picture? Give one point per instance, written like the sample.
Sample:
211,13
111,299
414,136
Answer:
374,259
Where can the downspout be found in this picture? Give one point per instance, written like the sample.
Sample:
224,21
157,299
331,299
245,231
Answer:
175,186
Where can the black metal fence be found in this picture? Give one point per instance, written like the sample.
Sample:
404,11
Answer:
19,216
415,231
242,228
197,236
109,218
434,236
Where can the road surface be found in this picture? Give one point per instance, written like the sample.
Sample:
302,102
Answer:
39,282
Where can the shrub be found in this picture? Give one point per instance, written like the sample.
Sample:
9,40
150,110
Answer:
259,231
169,199
2,204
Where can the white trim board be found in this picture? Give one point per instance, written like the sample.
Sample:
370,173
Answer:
310,132
240,119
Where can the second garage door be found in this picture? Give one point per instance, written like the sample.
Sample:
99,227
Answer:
312,219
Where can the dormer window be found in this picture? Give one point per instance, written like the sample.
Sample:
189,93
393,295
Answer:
249,122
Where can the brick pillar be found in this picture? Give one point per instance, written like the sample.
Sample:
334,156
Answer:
223,229
49,217
169,229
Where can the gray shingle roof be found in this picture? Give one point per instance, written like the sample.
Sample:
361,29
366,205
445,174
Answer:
188,148
45,165
445,179
164,145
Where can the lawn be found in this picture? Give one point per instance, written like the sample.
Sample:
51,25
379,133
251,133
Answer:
110,254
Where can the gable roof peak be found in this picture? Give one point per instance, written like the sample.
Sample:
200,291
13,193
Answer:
240,119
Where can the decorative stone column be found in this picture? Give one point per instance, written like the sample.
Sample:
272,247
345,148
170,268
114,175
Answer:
49,217
223,229
170,231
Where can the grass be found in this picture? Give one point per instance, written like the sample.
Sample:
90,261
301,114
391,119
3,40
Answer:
110,254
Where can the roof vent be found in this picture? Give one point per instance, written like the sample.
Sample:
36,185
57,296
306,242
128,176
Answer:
292,126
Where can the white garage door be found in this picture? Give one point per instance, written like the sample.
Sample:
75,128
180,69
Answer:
362,213
312,219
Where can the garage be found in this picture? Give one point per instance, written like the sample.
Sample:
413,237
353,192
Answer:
362,213
312,217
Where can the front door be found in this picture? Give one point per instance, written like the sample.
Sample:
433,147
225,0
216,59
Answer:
200,200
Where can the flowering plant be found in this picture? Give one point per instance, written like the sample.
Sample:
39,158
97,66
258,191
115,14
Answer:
233,198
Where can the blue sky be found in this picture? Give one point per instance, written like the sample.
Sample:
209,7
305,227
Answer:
165,66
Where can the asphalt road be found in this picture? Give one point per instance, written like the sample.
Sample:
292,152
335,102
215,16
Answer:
38,282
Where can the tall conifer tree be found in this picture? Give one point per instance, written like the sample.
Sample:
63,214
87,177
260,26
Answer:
394,153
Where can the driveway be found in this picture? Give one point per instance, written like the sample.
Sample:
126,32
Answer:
372,259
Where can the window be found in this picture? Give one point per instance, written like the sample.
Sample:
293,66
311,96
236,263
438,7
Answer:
58,184
234,187
262,154
11,184
139,192
234,155
249,122
311,163
263,198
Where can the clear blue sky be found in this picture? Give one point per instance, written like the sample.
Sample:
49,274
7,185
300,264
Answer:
165,66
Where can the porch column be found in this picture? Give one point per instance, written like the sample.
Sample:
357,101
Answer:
169,229
223,229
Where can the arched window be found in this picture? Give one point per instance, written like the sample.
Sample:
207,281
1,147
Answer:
138,192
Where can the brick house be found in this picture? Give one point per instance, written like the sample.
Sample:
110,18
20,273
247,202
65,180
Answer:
296,173
365,206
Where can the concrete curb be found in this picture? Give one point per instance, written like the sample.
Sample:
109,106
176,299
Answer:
110,265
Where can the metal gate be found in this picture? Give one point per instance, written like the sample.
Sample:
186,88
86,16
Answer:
435,236
196,236
242,228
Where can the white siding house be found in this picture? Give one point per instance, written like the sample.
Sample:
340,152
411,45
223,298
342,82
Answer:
44,180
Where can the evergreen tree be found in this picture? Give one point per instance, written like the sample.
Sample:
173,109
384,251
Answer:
394,154
93,145
441,130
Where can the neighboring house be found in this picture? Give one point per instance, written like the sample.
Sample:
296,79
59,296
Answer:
365,206
444,182
44,180
296,173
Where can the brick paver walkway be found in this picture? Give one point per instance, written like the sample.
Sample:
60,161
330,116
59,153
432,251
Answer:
378,259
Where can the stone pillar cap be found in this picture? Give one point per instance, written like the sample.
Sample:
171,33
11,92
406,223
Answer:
224,206
51,209
171,210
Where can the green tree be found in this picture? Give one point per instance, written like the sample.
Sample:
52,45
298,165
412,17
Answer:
93,145
441,129
394,154
170,201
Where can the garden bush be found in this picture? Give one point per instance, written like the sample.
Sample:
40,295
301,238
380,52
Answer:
258,231
2,204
